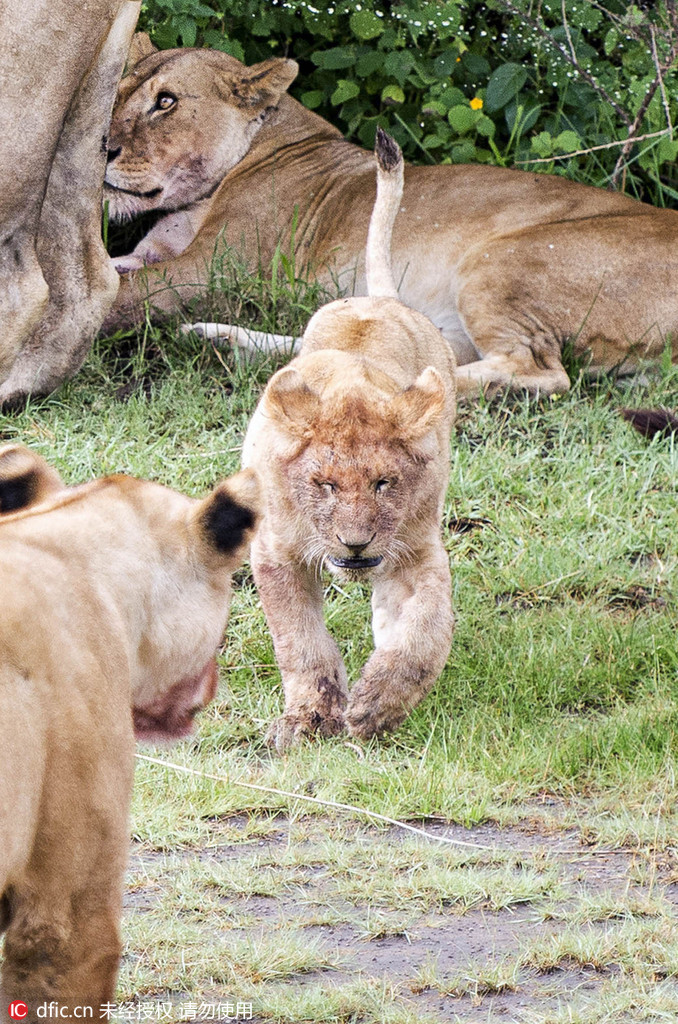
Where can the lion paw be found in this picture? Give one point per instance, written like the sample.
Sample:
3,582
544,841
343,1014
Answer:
366,719
125,264
290,729
370,712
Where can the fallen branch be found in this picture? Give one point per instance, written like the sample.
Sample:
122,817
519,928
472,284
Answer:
592,149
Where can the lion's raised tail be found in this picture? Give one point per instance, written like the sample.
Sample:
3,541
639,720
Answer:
389,193
650,422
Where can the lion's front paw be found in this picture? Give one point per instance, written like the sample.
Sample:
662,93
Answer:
291,728
125,264
369,715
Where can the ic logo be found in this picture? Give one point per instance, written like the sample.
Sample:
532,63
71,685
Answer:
17,1010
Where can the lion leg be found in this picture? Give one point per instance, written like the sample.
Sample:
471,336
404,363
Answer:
63,907
413,625
504,372
313,674
62,941
519,340
81,280
62,947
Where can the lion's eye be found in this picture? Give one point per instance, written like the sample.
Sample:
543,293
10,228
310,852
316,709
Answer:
383,484
165,101
326,487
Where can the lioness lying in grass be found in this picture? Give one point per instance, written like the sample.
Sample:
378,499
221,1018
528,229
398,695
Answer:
115,596
510,265
351,442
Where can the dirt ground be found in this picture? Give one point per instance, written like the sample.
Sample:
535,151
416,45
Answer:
460,945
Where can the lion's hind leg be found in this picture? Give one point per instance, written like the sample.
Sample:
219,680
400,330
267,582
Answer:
517,324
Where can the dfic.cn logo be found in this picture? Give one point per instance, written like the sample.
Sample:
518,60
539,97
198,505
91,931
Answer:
17,1010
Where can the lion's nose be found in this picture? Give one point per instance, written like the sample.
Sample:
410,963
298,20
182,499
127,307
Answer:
113,153
354,545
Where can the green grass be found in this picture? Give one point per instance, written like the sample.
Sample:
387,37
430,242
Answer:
563,676
558,708
642,949
493,978
618,1002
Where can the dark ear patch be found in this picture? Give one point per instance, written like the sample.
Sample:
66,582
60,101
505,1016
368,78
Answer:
18,491
225,522
25,478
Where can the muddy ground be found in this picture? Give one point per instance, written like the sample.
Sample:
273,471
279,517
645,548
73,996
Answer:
462,945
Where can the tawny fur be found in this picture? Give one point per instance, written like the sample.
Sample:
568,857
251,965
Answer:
115,597
510,265
351,441
56,280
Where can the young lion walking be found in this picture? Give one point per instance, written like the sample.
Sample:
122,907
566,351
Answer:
351,440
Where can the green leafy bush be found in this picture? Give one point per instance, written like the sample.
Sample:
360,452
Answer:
498,81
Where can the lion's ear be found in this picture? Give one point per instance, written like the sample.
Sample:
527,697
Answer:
263,84
140,47
291,402
418,408
227,517
25,478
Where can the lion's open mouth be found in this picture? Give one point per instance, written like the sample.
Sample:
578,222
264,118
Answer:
355,563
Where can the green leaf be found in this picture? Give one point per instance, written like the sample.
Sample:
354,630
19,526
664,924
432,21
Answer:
567,141
667,150
366,25
451,97
444,63
166,37
475,64
217,41
346,90
392,94
336,59
398,64
188,29
610,41
434,107
462,118
369,62
435,141
312,99
485,126
463,152
368,130
528,117
505,82
542,144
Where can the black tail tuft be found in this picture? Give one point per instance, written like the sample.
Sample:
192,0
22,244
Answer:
652,422
387,151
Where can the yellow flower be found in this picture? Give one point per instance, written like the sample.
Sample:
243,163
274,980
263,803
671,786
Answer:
476,103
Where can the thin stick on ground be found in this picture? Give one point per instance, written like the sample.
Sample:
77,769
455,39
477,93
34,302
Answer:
314,800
